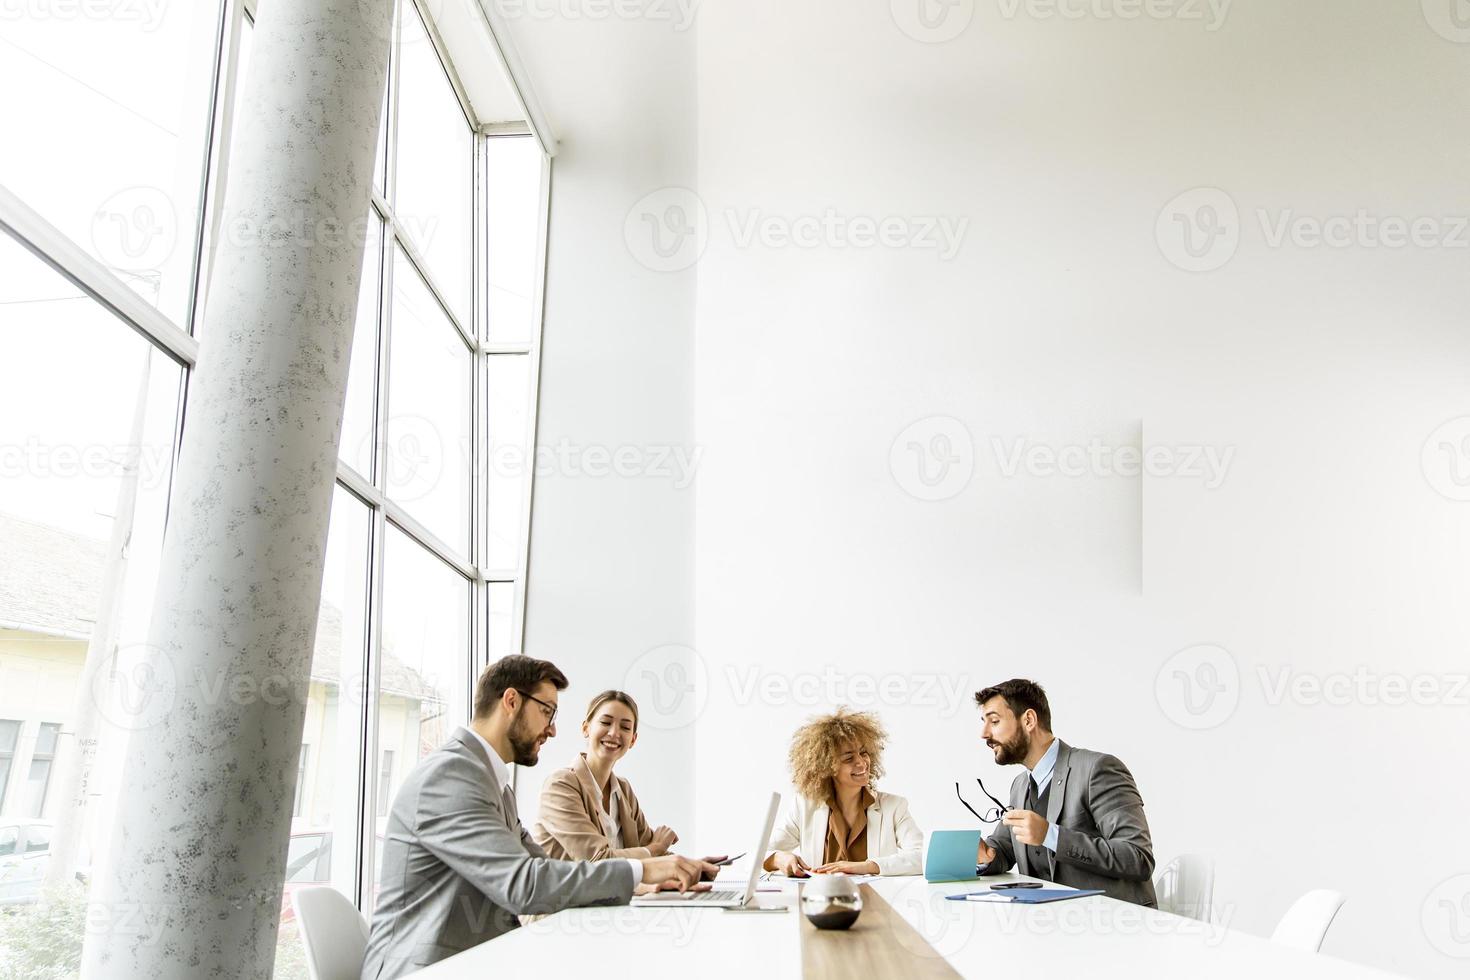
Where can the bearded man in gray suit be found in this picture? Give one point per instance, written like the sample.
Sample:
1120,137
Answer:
458,867
1075,816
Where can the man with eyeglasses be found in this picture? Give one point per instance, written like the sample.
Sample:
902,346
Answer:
1075,816
458,867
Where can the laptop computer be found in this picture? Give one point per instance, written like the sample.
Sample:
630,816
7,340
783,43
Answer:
724,898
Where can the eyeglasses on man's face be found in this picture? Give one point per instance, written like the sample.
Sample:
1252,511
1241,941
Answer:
549,709
992,815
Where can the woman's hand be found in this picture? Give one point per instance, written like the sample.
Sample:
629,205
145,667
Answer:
663,839
789,864
847,868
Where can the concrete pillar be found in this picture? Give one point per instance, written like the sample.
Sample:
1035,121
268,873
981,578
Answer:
190,885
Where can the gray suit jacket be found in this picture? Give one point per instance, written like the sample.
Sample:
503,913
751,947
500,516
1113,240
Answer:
1102,840
458,867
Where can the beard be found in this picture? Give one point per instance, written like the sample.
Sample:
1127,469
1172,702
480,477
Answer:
1013,752
523,741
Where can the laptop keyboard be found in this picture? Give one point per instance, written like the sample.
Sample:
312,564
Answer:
702,898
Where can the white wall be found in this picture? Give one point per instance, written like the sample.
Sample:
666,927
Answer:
612,566
1062,318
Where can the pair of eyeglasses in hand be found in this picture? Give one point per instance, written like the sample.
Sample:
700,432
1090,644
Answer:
992,815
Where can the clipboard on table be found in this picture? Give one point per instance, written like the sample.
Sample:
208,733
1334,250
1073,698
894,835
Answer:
951,855
1025,896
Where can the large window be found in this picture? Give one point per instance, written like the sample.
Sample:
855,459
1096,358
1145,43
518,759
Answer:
108,233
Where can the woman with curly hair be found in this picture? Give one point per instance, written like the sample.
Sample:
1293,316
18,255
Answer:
838,822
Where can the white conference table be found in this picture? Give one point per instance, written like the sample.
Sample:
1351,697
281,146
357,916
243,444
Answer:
1093,937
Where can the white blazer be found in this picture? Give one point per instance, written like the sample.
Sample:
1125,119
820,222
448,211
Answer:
895,842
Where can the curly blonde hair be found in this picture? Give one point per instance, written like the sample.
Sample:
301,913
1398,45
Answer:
816,746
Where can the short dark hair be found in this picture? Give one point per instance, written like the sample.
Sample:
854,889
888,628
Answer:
1019,695
514,672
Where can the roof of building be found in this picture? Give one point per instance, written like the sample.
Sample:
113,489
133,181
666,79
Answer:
51,581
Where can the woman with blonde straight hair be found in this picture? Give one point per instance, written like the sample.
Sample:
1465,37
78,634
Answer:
839,822
589,814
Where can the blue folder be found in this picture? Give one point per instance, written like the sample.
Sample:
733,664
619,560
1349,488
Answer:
951,855
1025,896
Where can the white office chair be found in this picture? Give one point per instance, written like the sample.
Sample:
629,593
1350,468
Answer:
333,932
1305,924
1186,886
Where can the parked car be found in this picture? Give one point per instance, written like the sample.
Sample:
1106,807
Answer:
25,850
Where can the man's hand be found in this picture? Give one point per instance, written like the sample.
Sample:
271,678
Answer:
789,864
986,854
847,868
663,839
1029,828
716,861
671,872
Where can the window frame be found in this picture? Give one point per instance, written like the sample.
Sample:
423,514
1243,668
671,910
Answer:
179,342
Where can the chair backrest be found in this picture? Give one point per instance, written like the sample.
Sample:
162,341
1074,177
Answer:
1305,924
333,931
1186,886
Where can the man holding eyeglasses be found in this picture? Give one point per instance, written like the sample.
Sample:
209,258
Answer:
1075,816
458,867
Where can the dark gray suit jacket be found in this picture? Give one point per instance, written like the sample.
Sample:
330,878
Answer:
458,867
1102,834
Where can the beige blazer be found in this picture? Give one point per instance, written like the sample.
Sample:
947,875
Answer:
895,842
569,827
